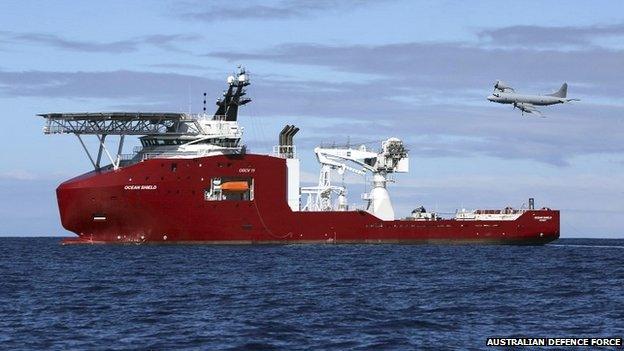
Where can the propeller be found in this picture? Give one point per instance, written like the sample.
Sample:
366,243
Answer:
515,106
502,86
527,108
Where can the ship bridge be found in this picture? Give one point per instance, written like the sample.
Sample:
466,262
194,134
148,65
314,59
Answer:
162,134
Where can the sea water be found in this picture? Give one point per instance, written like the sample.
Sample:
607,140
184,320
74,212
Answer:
305,297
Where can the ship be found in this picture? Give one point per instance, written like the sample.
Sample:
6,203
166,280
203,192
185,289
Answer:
192,180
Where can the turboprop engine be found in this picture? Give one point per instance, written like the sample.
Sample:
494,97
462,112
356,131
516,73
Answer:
502,86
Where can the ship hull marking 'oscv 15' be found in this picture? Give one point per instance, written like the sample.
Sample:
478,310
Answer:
193,181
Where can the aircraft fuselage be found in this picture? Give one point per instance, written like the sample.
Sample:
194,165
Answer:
537,100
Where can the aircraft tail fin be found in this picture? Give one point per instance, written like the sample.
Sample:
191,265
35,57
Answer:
562,92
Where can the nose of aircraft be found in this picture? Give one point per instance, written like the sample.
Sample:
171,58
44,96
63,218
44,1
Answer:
491,98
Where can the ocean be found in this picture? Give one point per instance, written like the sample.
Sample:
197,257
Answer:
305,297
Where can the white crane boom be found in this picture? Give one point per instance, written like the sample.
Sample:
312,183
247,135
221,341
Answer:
392,158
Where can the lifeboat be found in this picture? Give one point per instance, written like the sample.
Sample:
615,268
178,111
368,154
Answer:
235,186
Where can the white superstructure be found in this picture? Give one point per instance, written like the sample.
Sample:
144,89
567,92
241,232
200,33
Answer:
163,134
216,136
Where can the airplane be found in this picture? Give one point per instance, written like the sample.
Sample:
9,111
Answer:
505,94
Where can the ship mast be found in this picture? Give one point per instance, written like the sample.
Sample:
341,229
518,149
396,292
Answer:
233,97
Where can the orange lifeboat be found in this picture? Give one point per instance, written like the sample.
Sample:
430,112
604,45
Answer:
235,186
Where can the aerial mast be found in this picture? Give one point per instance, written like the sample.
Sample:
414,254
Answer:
232,98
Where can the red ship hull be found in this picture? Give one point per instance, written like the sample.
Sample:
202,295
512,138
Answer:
162,201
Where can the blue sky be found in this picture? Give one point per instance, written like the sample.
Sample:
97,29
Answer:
357,70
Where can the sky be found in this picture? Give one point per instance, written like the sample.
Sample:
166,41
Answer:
349,70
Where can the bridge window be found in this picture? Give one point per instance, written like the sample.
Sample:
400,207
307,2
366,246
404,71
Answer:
230,189
161,142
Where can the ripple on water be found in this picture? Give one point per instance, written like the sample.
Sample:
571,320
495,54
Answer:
304,296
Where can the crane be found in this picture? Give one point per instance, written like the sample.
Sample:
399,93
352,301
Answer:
392,158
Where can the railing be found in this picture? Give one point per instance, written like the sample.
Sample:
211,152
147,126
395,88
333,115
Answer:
55,129
119,126
500,215
508,210
285,151
150,155
197,153
126,157
227,144
210,141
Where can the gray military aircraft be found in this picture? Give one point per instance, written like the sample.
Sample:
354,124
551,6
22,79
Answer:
505,94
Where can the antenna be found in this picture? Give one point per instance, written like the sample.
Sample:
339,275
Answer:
204,103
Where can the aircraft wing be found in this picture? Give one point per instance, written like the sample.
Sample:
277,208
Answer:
526,107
